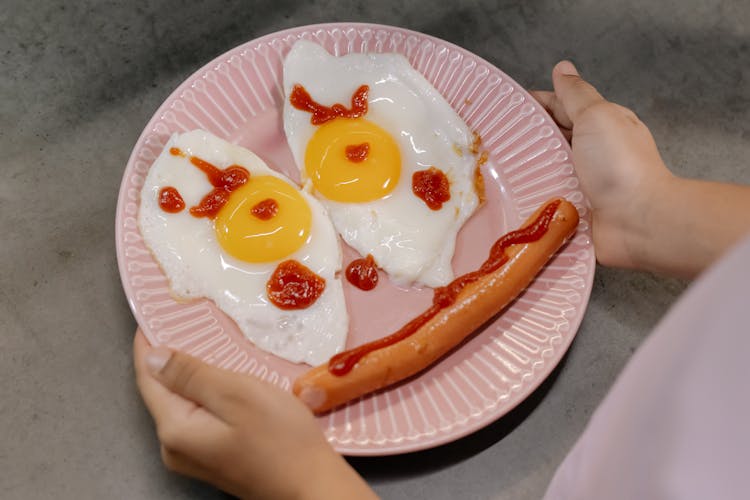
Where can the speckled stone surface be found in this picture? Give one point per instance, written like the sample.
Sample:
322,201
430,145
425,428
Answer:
79,81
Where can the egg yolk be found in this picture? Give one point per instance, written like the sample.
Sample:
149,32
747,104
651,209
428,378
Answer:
337,176
245,236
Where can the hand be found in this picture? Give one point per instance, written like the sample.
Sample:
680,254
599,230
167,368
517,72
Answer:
615,158
643,216
238,433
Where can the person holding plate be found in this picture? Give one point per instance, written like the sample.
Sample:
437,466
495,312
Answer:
664,430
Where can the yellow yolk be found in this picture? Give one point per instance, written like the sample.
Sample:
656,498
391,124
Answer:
337,177
250,238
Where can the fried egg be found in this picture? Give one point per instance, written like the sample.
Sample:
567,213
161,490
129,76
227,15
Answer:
230,255
363,165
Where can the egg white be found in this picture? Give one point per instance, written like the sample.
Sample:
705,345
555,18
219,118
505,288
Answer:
196,265
408,240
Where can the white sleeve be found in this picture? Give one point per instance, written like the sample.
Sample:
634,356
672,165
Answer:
676,423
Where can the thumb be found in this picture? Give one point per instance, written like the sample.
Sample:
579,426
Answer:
215,389
574,93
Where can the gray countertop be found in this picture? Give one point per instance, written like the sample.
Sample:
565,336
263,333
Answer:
79,81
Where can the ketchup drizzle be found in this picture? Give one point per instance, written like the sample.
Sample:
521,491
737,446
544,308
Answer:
301,99
224,182
342,363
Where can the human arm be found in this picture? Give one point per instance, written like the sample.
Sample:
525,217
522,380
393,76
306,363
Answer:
689,225
644,217
238,433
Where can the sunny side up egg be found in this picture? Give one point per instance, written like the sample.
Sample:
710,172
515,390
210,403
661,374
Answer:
392,162
224,226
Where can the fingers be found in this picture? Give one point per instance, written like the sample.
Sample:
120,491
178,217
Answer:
163,404
544,97
181,424
573,94
552,105
219,391
212,388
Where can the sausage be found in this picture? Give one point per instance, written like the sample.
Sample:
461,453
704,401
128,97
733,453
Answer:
477,302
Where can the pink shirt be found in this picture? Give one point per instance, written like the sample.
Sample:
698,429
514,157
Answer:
676,423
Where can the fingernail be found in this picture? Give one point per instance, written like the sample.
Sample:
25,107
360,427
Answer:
157,358
567,68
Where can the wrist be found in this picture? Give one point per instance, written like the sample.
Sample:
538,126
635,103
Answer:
625,222
690,224
645,223
330,477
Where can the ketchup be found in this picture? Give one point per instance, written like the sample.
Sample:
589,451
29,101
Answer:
363,273
294,286
301,99
432,186
357,153
224,182
170,200
342,363
210,204
266,209
230,178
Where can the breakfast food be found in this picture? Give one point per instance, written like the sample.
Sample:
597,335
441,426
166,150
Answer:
224,226
385,153
457,310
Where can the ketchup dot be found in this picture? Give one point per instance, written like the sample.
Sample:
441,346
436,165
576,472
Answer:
432,186
170,200
363,273
357,153
266,209
294,286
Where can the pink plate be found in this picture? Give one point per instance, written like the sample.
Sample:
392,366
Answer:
238,96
